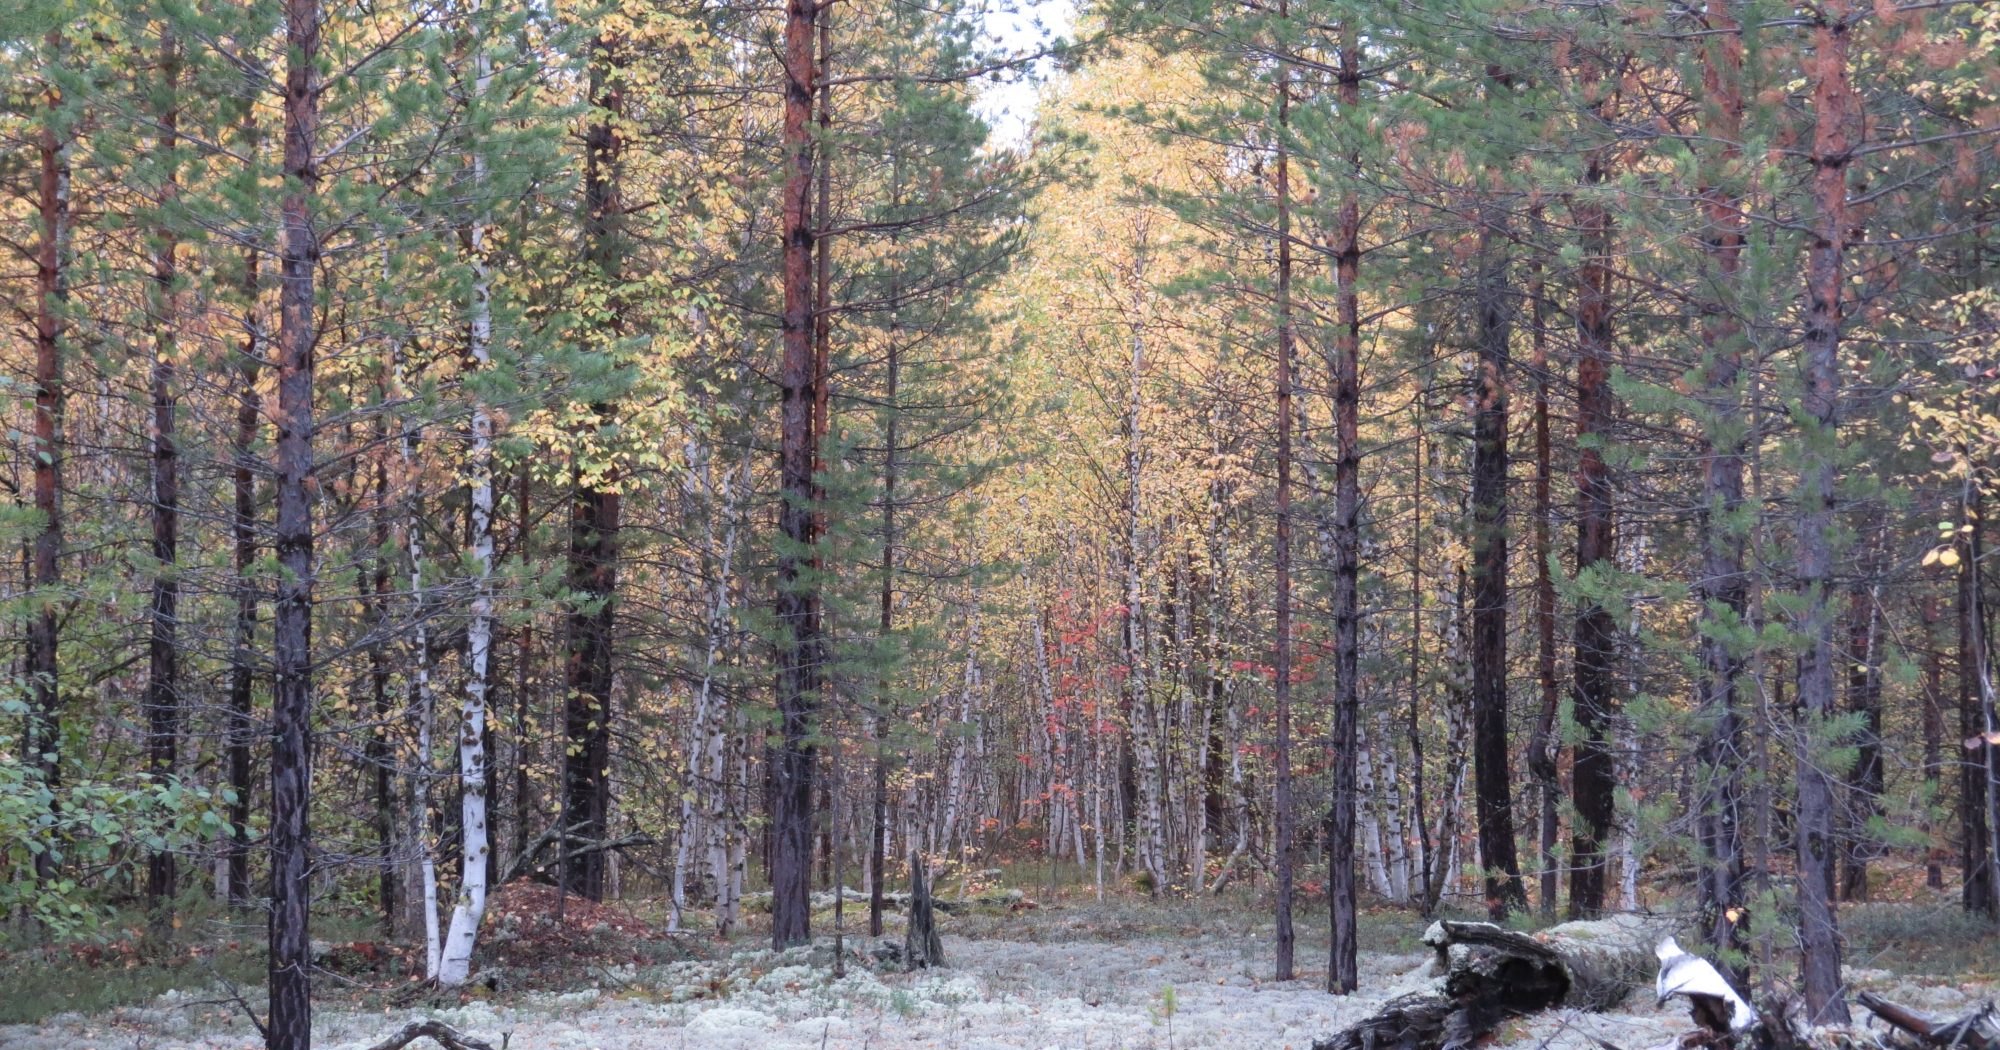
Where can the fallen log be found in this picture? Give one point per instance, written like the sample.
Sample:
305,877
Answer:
1978,1030
1483,974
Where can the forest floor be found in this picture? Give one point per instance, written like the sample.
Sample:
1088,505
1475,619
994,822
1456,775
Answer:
1066,972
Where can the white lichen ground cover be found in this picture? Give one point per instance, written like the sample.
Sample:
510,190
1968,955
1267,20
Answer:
1203,990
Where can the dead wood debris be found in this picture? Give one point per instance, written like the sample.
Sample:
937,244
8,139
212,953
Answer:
438,1032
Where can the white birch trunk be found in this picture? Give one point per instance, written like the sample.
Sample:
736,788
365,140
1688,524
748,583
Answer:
426,703
1097,802
1457,735
1371,823
1394,826
955,784
703,807
456,964
1625,845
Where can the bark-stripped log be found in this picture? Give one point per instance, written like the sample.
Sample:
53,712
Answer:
1486,974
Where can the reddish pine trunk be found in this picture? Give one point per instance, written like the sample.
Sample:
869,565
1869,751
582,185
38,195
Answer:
51,296
1833,110
799,670
1723,586
1593,779
290,1025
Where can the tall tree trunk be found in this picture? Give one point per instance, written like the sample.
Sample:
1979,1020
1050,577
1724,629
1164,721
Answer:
1723,586
884,709
1545,747
423,696
1342,975
1864,698
1833,111
822,419
709,766
524,658
290,1023
1458,702
594,505
380,753
1492,776
456,963
1933,740
163,701
1412,725
243,534
1593,778
1281,556
799,650
1146,745
44,742
1981,876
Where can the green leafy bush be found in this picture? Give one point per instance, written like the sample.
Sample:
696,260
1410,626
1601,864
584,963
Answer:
94,831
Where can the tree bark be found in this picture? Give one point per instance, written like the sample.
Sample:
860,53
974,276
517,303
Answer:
455,965
163,686
524,659
1593,778
44,741
799,652
423,697
1833,111
1485,974
1343,975
1137,701
243,534
380,753
1980,891
1492,775
1412,726
594,505
1864,698
1545,746
290,1025
878,839
1933,717
1281,557
1723,587
922,948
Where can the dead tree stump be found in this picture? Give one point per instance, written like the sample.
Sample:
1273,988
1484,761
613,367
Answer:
921,945
1485,974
